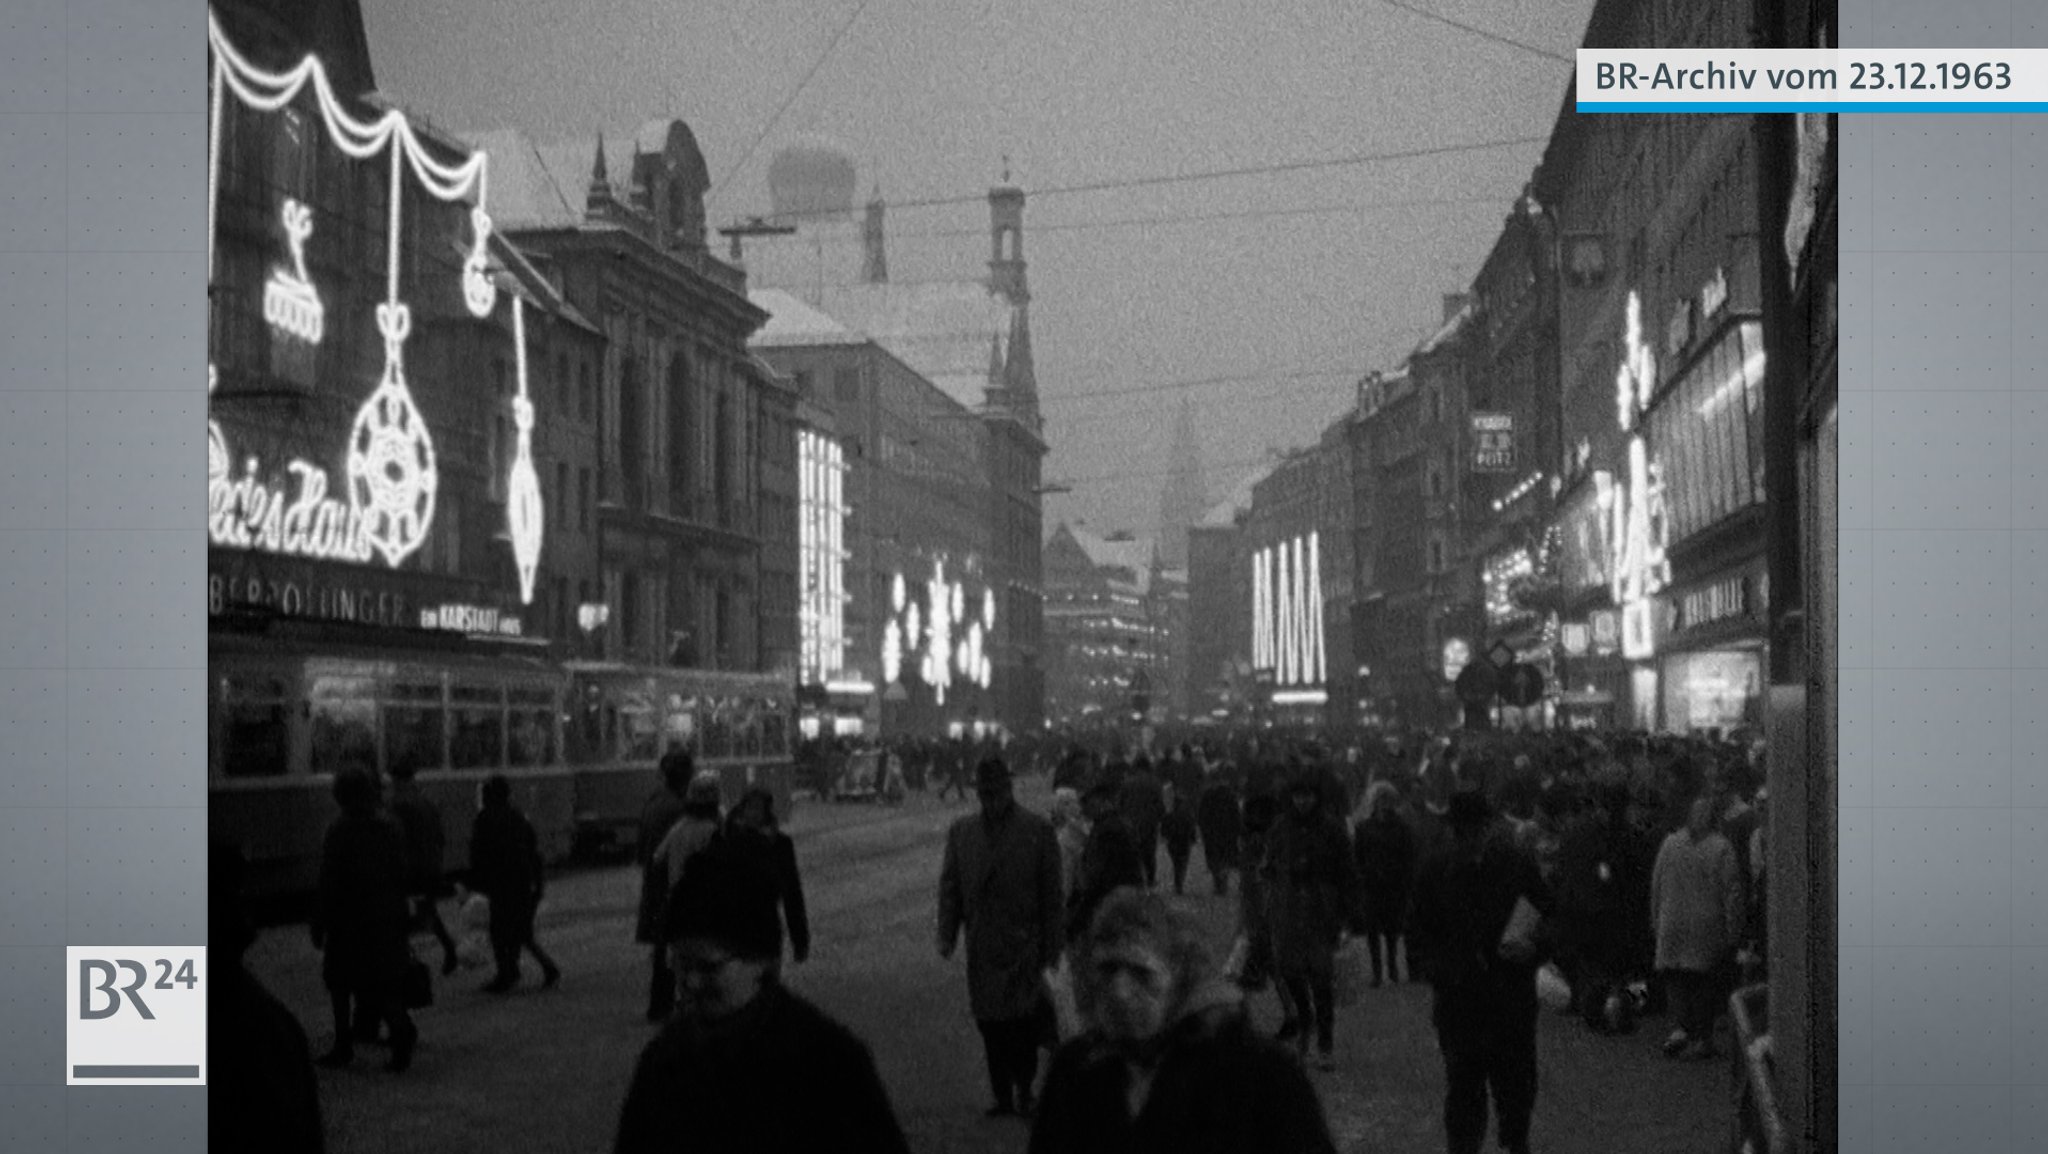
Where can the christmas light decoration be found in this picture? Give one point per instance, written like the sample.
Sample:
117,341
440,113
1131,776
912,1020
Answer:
1287,611
1636,381
391,471
523,508
217,465
988,610
938,672
822,527
290,302
892,652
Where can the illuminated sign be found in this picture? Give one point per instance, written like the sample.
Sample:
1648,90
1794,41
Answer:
591,618
1503,573
1287,611
821,547
1576,637
1640,569
950,640
470,619
1493,443
523,511
290,302
391,478
1606,628
1636,380
1722,600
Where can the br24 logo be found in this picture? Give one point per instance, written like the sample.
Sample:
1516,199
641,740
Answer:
106,971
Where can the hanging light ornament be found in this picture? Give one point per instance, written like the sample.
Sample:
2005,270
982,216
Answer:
477,290
523,509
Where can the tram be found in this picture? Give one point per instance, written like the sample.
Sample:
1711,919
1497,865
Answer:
580,742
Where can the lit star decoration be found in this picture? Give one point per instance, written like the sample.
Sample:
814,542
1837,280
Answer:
938,669
523,510
289,299
1640,569
391,471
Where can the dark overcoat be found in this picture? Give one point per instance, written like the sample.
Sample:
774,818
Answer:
1000,883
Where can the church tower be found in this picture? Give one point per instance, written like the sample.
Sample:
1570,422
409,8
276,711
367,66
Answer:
874,252
1185,498
1006,240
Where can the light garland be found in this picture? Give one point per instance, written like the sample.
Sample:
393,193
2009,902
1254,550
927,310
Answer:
290,302
391,470
524,512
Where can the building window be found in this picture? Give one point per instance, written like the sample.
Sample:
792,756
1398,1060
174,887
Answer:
562,493
583,500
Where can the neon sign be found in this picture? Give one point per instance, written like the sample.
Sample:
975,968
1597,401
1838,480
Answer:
821,545
1640,568
523,510
1636,380
289,300
1287,611
391,476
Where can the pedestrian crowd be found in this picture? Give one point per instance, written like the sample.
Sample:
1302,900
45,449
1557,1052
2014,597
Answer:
1616,875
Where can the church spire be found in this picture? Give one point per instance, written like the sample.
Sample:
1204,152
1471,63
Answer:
600,192
1185,496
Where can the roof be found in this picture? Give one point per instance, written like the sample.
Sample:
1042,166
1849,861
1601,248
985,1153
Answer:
545,184
513,273
949,332
1223,514
1450,330
1135,554
792,323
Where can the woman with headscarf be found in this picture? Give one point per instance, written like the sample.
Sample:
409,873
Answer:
1168,1061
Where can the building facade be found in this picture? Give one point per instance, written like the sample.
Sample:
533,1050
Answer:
696,475
1663,374
1108,617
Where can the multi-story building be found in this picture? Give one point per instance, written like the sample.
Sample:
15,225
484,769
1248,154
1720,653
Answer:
908,522
1107,627
1662,379
956,358
1219,644
689,425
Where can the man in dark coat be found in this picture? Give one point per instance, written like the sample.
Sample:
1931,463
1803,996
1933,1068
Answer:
1221,823
361,919
719,1075
752,831
505,866
1142,798
1000,883
1485,1008
261,1088
1312,897
1168,1062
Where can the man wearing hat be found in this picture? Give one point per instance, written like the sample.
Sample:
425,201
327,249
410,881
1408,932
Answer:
1468,896
718,1076
1001,885
688,833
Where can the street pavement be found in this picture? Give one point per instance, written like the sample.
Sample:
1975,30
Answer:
546,1070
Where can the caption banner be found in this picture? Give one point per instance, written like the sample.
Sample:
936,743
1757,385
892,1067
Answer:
1813,80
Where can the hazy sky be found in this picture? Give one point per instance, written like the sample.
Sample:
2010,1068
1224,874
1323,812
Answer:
930,95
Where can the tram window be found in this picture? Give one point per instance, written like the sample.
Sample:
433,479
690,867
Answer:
477,740
531,730
774,732
717,732
413,728
255,730
343,712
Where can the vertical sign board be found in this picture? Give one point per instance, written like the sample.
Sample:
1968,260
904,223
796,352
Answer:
1493,443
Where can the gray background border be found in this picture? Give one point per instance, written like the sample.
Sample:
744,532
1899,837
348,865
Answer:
1944,879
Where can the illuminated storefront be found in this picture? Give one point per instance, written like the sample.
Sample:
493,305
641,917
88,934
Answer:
822,555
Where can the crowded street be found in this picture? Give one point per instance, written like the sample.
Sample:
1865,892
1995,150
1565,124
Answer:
546,1070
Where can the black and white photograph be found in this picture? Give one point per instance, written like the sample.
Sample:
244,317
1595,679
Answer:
941,576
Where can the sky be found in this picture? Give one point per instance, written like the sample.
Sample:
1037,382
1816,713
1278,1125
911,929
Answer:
1296,284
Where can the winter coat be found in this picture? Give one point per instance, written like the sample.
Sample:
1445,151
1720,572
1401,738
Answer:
1109,861
1464,897
1142,801
662,810
1385,850
1696,902
726,1086
504,863
1218,1088
1000,883
1312,890
363,913
773,854
1599,882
